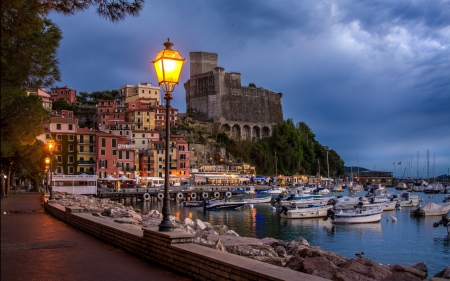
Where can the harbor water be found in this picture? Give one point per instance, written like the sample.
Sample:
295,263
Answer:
406,241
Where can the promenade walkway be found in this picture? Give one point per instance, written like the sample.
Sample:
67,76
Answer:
37,246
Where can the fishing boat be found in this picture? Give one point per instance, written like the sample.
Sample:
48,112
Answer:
354,216
407,200
303,213
431,209
223,205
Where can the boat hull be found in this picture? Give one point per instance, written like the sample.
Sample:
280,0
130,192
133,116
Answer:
225,206
306,213
368,216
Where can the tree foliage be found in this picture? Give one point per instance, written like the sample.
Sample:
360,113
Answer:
292,149
61,104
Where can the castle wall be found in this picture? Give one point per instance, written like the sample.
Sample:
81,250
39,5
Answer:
216,96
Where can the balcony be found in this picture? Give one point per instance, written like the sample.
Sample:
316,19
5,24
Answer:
125,146
84,162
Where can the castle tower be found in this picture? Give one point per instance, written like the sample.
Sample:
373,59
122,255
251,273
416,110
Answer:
202,62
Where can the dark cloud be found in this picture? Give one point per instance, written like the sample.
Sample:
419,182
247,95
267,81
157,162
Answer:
370,78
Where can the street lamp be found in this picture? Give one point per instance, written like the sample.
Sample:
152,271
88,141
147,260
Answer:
51,147
47,167
168,64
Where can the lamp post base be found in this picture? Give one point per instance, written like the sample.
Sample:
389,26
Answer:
166,225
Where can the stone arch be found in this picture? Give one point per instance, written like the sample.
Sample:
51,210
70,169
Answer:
225,128
256,132
236,132
246,133
265,132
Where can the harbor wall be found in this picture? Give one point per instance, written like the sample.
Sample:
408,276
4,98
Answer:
175,250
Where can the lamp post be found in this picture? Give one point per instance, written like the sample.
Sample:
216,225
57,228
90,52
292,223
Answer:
51,147
168,64
47,166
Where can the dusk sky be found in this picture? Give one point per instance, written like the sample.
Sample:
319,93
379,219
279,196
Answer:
370,78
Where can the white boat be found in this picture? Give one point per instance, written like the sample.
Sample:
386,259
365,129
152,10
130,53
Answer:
223,205
407,200
355,216
348,203
305,202
386,206
431,209
401,186
260,200
337,188
274,190
304,213
354,187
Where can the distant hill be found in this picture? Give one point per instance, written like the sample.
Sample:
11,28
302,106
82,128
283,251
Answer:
355,169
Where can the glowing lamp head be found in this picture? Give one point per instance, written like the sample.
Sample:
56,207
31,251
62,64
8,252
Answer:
47,160
168,64
51,145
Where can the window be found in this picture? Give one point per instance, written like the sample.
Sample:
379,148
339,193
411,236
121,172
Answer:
59,137
120,154
59,157
143,135
143,91
70,158
114,142
71,170
143,142
59,170
58,147
102,152
114,152
127,154
160,166
103,142
81,148
70,127
58,126
70,147
71,137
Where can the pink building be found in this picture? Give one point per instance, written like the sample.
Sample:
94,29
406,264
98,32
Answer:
46,98
65,92
107,146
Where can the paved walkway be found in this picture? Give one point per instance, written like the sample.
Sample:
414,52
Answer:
37,246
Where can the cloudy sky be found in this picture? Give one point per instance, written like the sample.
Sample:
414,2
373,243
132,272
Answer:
370,78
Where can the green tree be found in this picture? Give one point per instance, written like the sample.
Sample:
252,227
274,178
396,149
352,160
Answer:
60,104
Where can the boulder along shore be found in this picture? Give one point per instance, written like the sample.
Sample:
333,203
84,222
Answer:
297,255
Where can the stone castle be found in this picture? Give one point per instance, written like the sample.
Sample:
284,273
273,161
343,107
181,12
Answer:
213,95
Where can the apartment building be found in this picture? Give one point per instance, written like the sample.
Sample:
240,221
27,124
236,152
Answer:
45,97
57,93
86,151
142,91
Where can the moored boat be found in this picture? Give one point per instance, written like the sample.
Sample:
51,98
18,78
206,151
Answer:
355,216
431,209
223,205
303,213
259,200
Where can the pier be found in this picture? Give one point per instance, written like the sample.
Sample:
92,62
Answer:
191,193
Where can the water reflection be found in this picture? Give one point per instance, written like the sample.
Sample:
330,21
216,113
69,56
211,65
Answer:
408,240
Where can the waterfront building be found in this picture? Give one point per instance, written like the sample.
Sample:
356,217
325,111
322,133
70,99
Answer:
376,177
66,93
86,151
45,97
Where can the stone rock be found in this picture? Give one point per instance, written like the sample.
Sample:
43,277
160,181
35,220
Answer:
445,273
220,246
320,266
274,243
401,276
252,250
367,268
199,225
220,229
411,271
231,233
189,222
281,251
295,262
308,252
421,266
292,246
